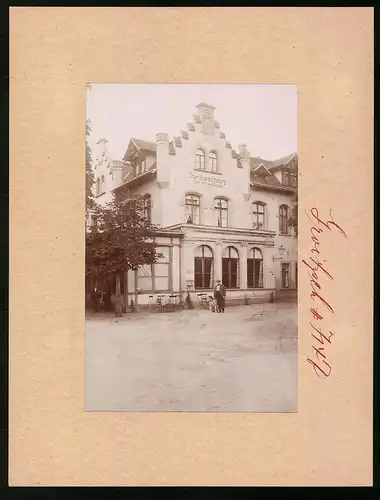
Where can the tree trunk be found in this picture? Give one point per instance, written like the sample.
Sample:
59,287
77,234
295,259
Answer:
118,299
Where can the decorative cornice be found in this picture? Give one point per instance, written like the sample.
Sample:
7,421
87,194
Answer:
266,234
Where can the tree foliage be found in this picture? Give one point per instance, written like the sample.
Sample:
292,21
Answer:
120,239
89,172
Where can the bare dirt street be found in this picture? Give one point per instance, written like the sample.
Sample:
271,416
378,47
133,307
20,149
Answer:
242,361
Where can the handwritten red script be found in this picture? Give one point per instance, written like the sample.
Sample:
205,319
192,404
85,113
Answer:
318,271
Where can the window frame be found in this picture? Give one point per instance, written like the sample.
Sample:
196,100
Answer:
203,260
220,210
193,197
257,213
284,219
200,154
213,161
147,208
230,262
257,280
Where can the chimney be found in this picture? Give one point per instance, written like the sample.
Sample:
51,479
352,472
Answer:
245,163
162,160
118,170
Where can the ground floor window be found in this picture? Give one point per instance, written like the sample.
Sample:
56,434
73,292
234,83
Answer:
230,267
162,269
203,266
285,275
255,269
151,277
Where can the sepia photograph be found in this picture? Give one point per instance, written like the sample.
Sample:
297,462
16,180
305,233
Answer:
191,248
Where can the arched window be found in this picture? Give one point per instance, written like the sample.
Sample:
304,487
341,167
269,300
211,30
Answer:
200,159
192,204
230,267
203,264
284,219
213,161
147,208
258,215
221,212
255,269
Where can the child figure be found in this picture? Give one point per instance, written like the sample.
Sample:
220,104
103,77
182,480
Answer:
212,303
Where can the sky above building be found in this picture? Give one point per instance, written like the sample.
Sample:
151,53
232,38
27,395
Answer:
262,116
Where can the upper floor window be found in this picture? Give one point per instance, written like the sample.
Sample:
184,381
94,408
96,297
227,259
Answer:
148,208
258,215
192,204
213,161
285,178
293,179
143,166
221,211
200,159
284,219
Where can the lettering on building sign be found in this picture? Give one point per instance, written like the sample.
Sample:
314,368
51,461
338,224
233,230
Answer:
208,180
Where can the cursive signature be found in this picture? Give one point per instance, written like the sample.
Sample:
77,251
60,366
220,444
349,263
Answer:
317,271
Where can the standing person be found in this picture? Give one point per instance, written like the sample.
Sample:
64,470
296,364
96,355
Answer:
95,296
220,295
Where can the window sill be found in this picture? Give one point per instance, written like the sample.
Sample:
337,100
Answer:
285,234
207,171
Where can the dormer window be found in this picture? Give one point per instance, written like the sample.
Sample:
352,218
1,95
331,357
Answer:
213,161
200,159
293,179
285,178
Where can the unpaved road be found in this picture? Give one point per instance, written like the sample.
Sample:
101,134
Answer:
242,361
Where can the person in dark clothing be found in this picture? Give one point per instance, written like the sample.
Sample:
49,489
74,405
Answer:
220,295
95,298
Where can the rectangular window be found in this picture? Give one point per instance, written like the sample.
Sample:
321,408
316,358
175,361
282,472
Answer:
192,203
285,275
144,278
161,269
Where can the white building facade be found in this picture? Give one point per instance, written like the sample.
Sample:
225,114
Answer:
223,214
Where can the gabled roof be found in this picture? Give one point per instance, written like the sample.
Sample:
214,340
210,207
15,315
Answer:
140,144
285,161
